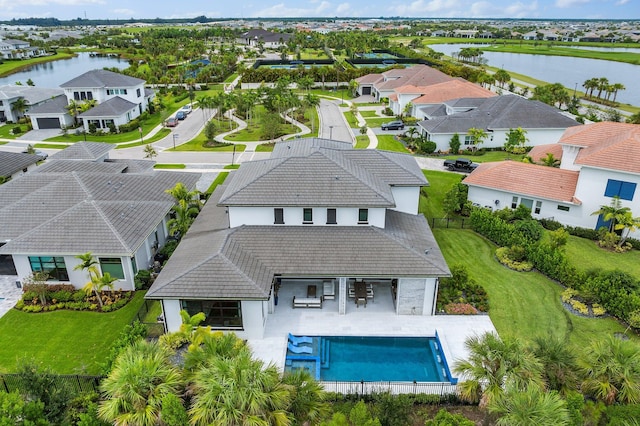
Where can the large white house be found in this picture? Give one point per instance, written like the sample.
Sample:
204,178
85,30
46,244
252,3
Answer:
318,219
598,161
496,116
383,85
80,201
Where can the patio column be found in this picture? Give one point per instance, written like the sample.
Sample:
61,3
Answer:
342,295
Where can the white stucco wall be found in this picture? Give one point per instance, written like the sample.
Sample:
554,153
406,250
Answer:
171,310
497,138
293,216
416,296
406,198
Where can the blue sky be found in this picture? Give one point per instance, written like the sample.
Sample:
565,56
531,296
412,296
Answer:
125,9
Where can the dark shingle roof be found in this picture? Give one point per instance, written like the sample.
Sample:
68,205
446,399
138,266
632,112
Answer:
83,151
13,162
113,107
102,78
68,166
55,105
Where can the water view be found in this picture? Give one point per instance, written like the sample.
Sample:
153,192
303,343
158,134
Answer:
53,74
561,69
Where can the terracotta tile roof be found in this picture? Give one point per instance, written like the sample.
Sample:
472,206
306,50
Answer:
539,152
417,75
526,179
369,78
449,90
409,88
393,97
605,144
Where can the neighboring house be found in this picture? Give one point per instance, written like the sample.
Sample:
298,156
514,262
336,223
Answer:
19,49
31,95
316,214
119,98
14,164
68,207
51,114
496,116
384,85
435,94
598,162
268,38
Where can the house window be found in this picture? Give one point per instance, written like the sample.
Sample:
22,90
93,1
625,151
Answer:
514,202
307,215
218,313
469,140
363,215
618,188
527,203
112,265
538,207
331,217
138,93
53,266
278,216
563,208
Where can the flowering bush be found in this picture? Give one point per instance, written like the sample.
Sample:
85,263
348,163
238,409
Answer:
460,309
568,294
598,310
505,256
579,306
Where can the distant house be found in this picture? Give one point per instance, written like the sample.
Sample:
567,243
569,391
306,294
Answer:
598,162
19,49
315,219
31,95
119,98
79,201
496,116
15,164
383,85
269,39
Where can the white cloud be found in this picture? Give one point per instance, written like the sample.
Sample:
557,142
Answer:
422,8
622,2
126,12
483,9
279,10
564,4
343,9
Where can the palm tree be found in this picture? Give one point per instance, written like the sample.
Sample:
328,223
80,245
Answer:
149,151
308,404
141,377
603,82
612,213
491,364
629,223
611,369
20,105
616,87
531,406
98,282
590,85
502,77
559,363
550,161
184,214
239,391
180,192
212,345
477,135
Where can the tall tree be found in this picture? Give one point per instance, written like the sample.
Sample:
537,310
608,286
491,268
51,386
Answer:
559,362
516,139
613,213
477,135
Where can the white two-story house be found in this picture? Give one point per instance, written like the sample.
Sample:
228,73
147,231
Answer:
118,97
305,229
598,161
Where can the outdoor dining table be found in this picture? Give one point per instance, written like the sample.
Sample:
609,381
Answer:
361,293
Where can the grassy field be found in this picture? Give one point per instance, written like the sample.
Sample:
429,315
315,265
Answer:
389,143
585,254
439,185
5,131
67,342
362,141
351,119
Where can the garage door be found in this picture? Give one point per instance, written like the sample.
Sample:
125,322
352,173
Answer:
48,123
366,90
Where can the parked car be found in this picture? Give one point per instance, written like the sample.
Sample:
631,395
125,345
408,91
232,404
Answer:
460,165
186,109
393,125
181,115
171,122
42,154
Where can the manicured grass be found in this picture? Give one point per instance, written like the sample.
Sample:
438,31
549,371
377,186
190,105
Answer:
5,131
232,166
522,304
555,50
162,133
50,145
169,166
367,114
585,254
217,181
67,342
351,119
439,184
389,143
265,147
197,144
377,122
362,141
487,156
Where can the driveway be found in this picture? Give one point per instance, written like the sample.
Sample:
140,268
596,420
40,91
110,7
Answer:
332,122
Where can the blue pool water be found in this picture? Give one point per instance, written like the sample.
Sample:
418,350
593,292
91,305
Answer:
373,359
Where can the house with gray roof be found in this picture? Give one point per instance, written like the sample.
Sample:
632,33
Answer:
319,225
14,164
75,206
497,115
32,96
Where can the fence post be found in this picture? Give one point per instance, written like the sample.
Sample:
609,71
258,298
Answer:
6,388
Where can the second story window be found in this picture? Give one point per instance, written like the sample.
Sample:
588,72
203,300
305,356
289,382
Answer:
278,216
331,217
307,215
363,215
618,188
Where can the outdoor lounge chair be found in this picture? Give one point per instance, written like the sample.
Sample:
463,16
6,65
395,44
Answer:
299,349
295,340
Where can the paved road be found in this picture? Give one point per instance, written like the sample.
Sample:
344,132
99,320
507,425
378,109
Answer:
333,125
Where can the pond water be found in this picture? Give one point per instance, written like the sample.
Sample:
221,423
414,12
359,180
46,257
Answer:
561,69
53,74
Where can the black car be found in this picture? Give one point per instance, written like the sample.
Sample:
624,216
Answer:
460,165
181,115
393,125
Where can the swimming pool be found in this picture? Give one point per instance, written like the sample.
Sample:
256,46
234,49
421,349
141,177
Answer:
354,359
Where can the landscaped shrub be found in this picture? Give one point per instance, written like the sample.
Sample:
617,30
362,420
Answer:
459,309
142,279
65,296
622,415
514,258
590,234
461,289
550,224
530,229
616,291
130,334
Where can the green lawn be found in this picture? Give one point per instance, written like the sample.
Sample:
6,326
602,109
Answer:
585,254
362,141
389,143
67,342
368,114
377,122
5,131
197,144
169,166
265,147
439,185
351,119
8,67
487,156
522,304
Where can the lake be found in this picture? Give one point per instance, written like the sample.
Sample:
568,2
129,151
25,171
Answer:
561,69
53,74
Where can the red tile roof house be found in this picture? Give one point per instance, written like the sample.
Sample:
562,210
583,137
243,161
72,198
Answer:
598,161
383,85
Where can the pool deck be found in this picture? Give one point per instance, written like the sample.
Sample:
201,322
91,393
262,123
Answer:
377,319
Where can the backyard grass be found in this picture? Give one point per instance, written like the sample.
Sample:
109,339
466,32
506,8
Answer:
439,184
390,143
5,131
67,342
585,254
486,156
362,142
522,304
